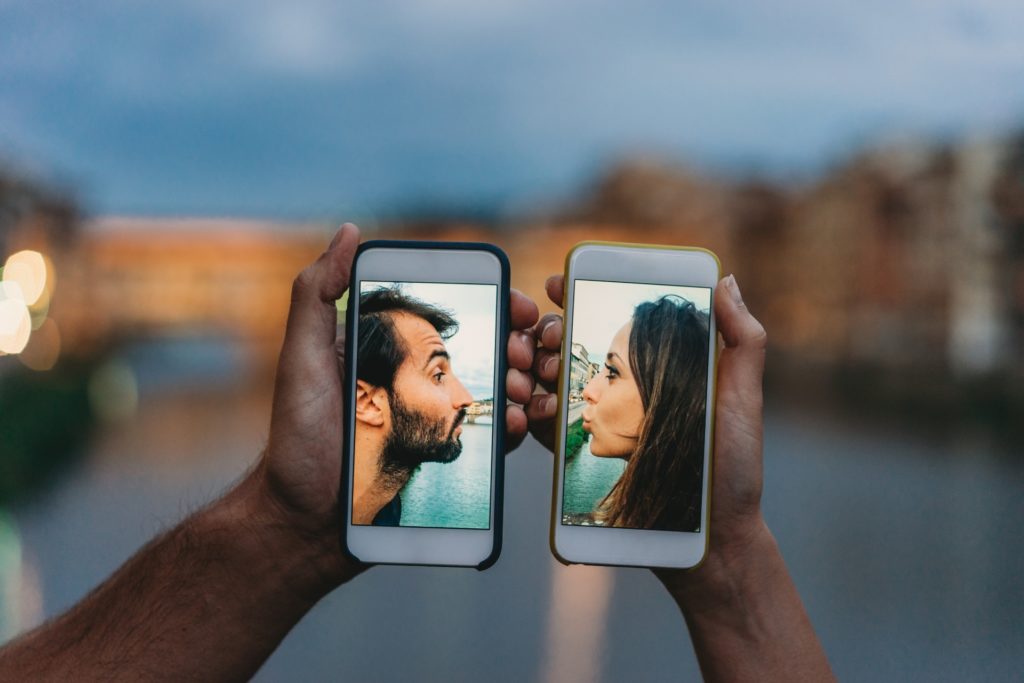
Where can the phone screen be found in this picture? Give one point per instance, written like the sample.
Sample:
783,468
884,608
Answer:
636,413
424,405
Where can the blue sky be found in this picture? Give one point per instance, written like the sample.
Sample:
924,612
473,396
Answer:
602,308
316,108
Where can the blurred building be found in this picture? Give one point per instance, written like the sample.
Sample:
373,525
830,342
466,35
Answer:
906,260
900,259
34,216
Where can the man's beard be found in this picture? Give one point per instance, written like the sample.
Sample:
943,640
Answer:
415,439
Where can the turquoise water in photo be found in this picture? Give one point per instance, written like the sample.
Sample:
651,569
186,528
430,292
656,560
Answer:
455,495
588,479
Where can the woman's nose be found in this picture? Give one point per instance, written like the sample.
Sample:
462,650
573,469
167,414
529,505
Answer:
590,391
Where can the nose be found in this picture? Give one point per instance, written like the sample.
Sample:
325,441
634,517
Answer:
461,398
590,392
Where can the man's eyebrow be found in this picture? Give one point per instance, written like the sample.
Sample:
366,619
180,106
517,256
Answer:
435,354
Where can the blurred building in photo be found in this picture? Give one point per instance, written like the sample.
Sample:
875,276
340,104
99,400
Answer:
581,371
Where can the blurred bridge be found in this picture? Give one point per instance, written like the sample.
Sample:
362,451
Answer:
479,409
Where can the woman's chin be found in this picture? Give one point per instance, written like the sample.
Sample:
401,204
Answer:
598,451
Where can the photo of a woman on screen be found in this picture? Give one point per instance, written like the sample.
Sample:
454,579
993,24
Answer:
646,406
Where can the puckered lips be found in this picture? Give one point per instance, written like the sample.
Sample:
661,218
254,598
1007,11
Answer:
457,425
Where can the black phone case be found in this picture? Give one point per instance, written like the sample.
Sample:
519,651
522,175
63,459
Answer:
499,390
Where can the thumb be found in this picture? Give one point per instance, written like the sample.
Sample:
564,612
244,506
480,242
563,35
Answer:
312,318
741,365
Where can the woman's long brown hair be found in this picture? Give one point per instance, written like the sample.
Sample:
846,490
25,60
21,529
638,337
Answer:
668,355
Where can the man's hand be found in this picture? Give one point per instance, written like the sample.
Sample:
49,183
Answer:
301,468
745,616
211,598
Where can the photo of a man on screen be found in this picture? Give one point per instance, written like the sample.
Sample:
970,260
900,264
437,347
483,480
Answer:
409,404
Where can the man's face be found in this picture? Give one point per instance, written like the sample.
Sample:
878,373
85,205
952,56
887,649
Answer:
427,402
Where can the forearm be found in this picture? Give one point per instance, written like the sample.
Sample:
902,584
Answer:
209,600
746,619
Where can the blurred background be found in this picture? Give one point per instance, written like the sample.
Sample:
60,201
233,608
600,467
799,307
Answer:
167,169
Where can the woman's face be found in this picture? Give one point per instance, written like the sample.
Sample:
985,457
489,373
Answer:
614,410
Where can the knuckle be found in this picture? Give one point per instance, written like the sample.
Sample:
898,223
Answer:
757,336
303,282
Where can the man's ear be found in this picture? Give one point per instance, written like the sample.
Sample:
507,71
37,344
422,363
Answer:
371,403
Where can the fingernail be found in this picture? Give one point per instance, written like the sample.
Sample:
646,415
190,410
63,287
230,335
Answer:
547,405
526,339
545,329
550,365
734,290
337,235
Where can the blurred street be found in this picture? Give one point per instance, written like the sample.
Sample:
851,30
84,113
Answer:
904,547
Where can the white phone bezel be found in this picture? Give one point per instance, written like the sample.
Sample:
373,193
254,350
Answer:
617,546
420,545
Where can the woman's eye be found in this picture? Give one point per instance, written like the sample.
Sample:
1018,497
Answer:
612,372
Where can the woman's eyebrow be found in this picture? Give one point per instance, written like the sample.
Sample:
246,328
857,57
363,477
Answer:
612,354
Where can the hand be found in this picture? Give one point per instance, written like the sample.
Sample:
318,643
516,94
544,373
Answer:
299,474
736,527
736,520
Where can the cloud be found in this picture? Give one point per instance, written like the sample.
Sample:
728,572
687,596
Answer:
243,107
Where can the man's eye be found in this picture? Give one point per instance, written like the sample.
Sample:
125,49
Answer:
438,376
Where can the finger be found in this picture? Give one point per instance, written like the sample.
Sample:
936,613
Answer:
339,348
555,288
741,365
540,414
545,367
312,318
541,407
521,347
516,426
549,331
519,385
523,310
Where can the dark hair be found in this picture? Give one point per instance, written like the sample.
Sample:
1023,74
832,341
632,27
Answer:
380,349
661,485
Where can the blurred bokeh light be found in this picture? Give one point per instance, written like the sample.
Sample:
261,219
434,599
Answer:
28,270
15,325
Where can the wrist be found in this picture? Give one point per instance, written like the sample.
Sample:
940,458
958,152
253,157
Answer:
730,573
287,548
744,614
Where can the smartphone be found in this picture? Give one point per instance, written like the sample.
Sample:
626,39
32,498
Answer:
636,406
423,469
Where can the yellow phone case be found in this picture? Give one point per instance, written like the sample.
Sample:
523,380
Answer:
556,479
